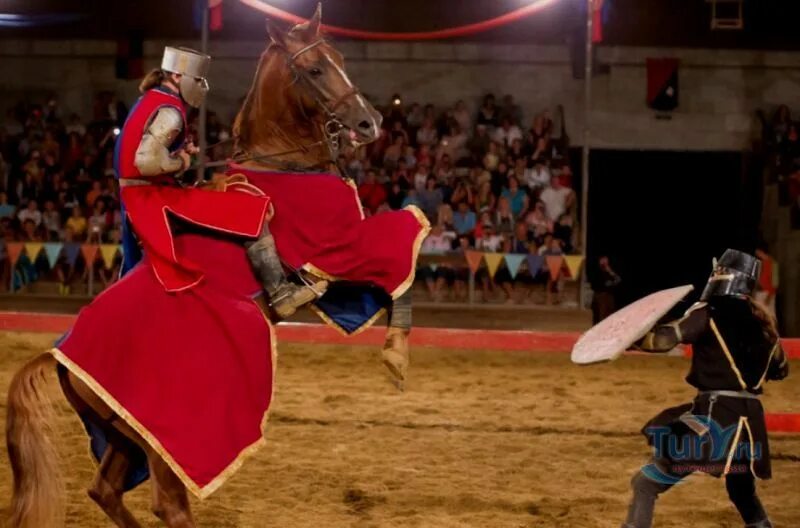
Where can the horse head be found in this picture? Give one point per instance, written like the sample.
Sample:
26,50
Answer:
304,69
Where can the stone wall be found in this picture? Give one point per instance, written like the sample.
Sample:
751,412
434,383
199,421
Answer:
719,89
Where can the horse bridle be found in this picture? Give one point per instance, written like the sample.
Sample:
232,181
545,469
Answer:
332,126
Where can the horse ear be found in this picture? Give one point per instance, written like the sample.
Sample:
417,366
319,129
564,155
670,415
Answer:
314,23
276,33
308,31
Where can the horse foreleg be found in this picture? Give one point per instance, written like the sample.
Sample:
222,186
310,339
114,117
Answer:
170,502
107,488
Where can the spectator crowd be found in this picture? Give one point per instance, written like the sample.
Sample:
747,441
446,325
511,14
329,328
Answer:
484,179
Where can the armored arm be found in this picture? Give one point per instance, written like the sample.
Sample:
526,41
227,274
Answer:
665,337
153,157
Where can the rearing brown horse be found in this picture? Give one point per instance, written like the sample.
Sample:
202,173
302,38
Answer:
299,108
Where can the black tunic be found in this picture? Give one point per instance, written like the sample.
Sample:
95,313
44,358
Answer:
734,351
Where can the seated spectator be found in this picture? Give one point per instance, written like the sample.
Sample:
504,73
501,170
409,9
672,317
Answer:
538,177
462,193
543,149
500,178
478,175
444,169
485,200
517,151
415,116
517,198
427,134
504,218
537,222
32,213
95,193
394,152
421,176
539,129
511,110
492,157
488,114
409,158
371,193
51,220
412,199
462,115
436,243
444,218
6,209
77,223
454,143
557,199
424,156
430,199
492,243
507,133
98,222
478,144
464,220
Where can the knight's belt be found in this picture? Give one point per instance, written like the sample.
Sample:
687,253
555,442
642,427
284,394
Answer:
133,182
729,394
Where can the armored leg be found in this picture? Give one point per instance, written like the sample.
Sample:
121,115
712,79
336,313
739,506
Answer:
285,296
642,507
395,350
742,492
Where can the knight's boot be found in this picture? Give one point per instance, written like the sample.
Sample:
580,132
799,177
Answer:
395,353
285,297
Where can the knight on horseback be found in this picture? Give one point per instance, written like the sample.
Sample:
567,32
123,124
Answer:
153,152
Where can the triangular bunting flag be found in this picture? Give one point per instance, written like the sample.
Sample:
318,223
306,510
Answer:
71,251
493,261
89,252
53,251
535,263
14,251
474,260
433,266
574,265
108,251
33,249
554,263
513,262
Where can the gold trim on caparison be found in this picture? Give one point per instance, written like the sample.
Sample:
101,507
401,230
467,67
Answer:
119,409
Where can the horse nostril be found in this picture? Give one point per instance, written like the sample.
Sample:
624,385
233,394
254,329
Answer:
364,125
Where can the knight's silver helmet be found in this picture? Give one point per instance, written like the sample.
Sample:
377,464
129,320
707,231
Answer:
735,274
193,67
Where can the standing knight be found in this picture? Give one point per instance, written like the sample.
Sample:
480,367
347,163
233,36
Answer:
152,151
722,432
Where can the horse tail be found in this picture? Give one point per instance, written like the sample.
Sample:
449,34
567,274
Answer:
36,499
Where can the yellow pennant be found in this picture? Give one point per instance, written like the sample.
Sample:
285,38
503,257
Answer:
493,261
108,251
574,263
33,249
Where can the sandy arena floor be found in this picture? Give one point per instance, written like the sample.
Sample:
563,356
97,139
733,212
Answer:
478,440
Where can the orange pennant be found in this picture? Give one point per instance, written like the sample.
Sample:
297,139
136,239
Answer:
554,264
89,252
14,251
474,260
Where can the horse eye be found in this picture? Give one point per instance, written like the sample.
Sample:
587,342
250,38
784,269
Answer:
315,72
